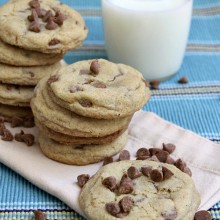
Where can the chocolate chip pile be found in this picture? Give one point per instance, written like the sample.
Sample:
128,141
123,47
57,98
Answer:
6,134
126,184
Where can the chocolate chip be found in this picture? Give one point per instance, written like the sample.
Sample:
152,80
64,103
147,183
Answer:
28,122
47,15
51,25
2,128
53,42
156,175
169,147
166,173
142,153
110,183
170,160
18,136
126,185
99,85
202,215
146,170
95,67
183,80
39,215
33,16
34,4
40,12
7,135
126,204
112,208
107,160
28,139
133,172
83,179
154,150
162,156
34,27
75,88
52,79
16,121
154,84
187,171
180,164
153,158
169,215
59,18
85,103
124,155
2,119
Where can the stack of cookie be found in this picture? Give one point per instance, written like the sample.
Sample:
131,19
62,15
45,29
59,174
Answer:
34,35
83,111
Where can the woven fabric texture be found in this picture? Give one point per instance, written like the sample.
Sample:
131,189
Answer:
194,106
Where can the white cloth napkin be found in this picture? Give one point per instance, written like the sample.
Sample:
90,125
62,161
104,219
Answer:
146,130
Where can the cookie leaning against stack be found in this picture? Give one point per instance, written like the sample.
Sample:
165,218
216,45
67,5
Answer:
34,35
83,110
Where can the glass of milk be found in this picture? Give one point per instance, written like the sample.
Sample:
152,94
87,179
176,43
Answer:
149,35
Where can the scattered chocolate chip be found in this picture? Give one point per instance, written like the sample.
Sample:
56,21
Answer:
133,172
142,154
2,128
28,122
154,84
82,179
187,171
39,215
146,170
110,183
95,67
169,215
85,103
126,185
156,175
162,156
180,164
112,208
107,160
183,80
75,88
59,18
34,27
52,79
99,85
51,25
53,42
48,14
18,136
16,121
28,139
202,215
169,148
124,155
154,151
7,135
34,4
126,204
170,160
33,16
166,173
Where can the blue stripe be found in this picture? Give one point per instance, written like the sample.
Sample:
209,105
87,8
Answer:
205,3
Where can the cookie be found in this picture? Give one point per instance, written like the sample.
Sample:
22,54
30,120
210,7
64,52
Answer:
15,111
69,139
131,193
99,89
80,154
26,75
15,95
47,26
16,56
66,122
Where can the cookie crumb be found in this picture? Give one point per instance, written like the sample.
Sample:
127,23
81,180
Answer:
183,80
39,215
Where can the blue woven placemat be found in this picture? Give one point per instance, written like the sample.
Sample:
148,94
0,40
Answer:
194,106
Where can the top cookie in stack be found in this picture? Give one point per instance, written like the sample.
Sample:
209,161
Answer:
34,35
83,110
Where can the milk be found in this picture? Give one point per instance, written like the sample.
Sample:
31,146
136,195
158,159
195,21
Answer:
149,35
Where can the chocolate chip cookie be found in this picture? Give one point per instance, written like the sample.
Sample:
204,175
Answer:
16,56
139,190
47,26
99,89
80,154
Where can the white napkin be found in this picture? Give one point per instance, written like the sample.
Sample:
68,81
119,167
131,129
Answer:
146,130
